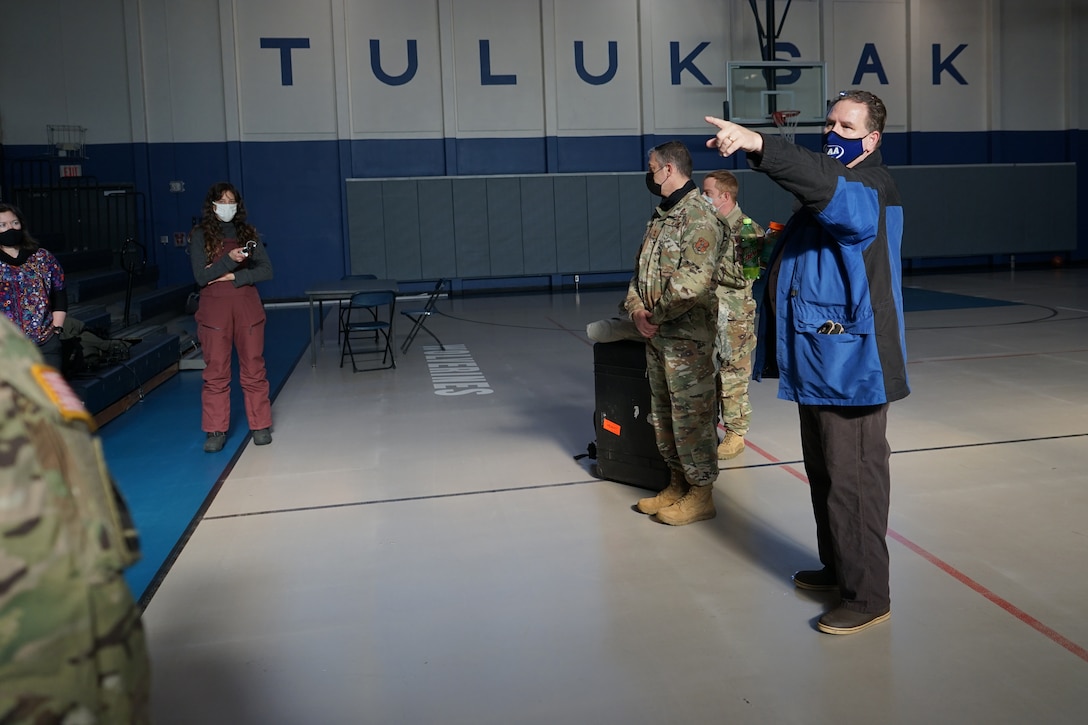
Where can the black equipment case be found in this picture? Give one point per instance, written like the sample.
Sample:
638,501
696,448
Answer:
626,448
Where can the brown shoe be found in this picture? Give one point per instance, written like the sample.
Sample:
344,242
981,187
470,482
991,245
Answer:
696,505
671,494
846,621
731,446
816,580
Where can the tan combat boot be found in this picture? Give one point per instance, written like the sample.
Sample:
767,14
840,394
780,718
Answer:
673,492
696,505
731,446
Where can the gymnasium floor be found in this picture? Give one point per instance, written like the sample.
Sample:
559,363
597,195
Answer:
398,556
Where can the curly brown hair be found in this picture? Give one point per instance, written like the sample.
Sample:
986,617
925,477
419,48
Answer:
211,226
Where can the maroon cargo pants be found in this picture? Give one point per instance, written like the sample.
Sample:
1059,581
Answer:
235,320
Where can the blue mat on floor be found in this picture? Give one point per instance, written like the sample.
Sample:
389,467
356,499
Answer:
923,300
155,450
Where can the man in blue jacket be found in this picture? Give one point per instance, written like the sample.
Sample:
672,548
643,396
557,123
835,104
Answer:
833,327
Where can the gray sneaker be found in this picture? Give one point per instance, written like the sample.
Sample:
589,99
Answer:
215,442
262,436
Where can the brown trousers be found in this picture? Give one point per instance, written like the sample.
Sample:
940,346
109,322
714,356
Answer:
225,323
847,461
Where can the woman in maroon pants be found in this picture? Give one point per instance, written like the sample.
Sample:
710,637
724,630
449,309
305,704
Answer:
228,260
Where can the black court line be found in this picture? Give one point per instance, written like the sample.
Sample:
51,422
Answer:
929,449
403,499
515,489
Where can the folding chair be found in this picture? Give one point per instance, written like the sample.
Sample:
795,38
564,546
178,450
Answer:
369,313
342,305
341,312
419,317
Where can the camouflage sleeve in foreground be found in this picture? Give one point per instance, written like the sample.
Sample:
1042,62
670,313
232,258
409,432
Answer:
71,643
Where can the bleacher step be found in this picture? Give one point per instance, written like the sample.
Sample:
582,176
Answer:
161,301
192,356
111,390
95,318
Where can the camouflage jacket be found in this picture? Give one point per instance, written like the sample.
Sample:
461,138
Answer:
71,642
674,276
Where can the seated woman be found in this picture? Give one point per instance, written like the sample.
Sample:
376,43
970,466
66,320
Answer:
31,285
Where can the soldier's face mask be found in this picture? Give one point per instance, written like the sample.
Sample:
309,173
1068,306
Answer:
652,186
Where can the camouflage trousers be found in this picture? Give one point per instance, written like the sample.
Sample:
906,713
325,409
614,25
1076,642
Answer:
683,406
735,345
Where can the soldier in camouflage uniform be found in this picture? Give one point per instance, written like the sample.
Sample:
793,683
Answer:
736,316
71,643
671,301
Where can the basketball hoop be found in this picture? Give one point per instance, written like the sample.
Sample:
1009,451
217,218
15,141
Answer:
787,123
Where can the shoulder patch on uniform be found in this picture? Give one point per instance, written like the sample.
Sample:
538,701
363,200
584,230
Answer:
701,245
56,387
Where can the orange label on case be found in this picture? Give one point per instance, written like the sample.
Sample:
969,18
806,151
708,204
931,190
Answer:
610,426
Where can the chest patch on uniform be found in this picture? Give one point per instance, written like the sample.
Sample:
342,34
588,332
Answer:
701,246
56,387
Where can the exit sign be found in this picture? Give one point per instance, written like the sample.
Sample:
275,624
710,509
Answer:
67,170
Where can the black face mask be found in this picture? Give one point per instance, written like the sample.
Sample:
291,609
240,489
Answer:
651,185
11,238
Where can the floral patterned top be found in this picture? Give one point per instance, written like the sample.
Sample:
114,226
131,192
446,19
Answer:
31,288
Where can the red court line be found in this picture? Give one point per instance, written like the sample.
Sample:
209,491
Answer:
1015,611
958,575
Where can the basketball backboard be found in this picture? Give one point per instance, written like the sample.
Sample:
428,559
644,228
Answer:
757,88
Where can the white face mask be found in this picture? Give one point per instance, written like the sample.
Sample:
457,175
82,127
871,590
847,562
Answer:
225,212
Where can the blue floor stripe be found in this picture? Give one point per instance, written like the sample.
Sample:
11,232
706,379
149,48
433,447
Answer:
924,300
156,449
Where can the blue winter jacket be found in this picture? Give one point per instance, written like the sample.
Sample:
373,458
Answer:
837,261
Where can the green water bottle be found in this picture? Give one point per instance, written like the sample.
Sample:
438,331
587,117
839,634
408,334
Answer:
750,245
